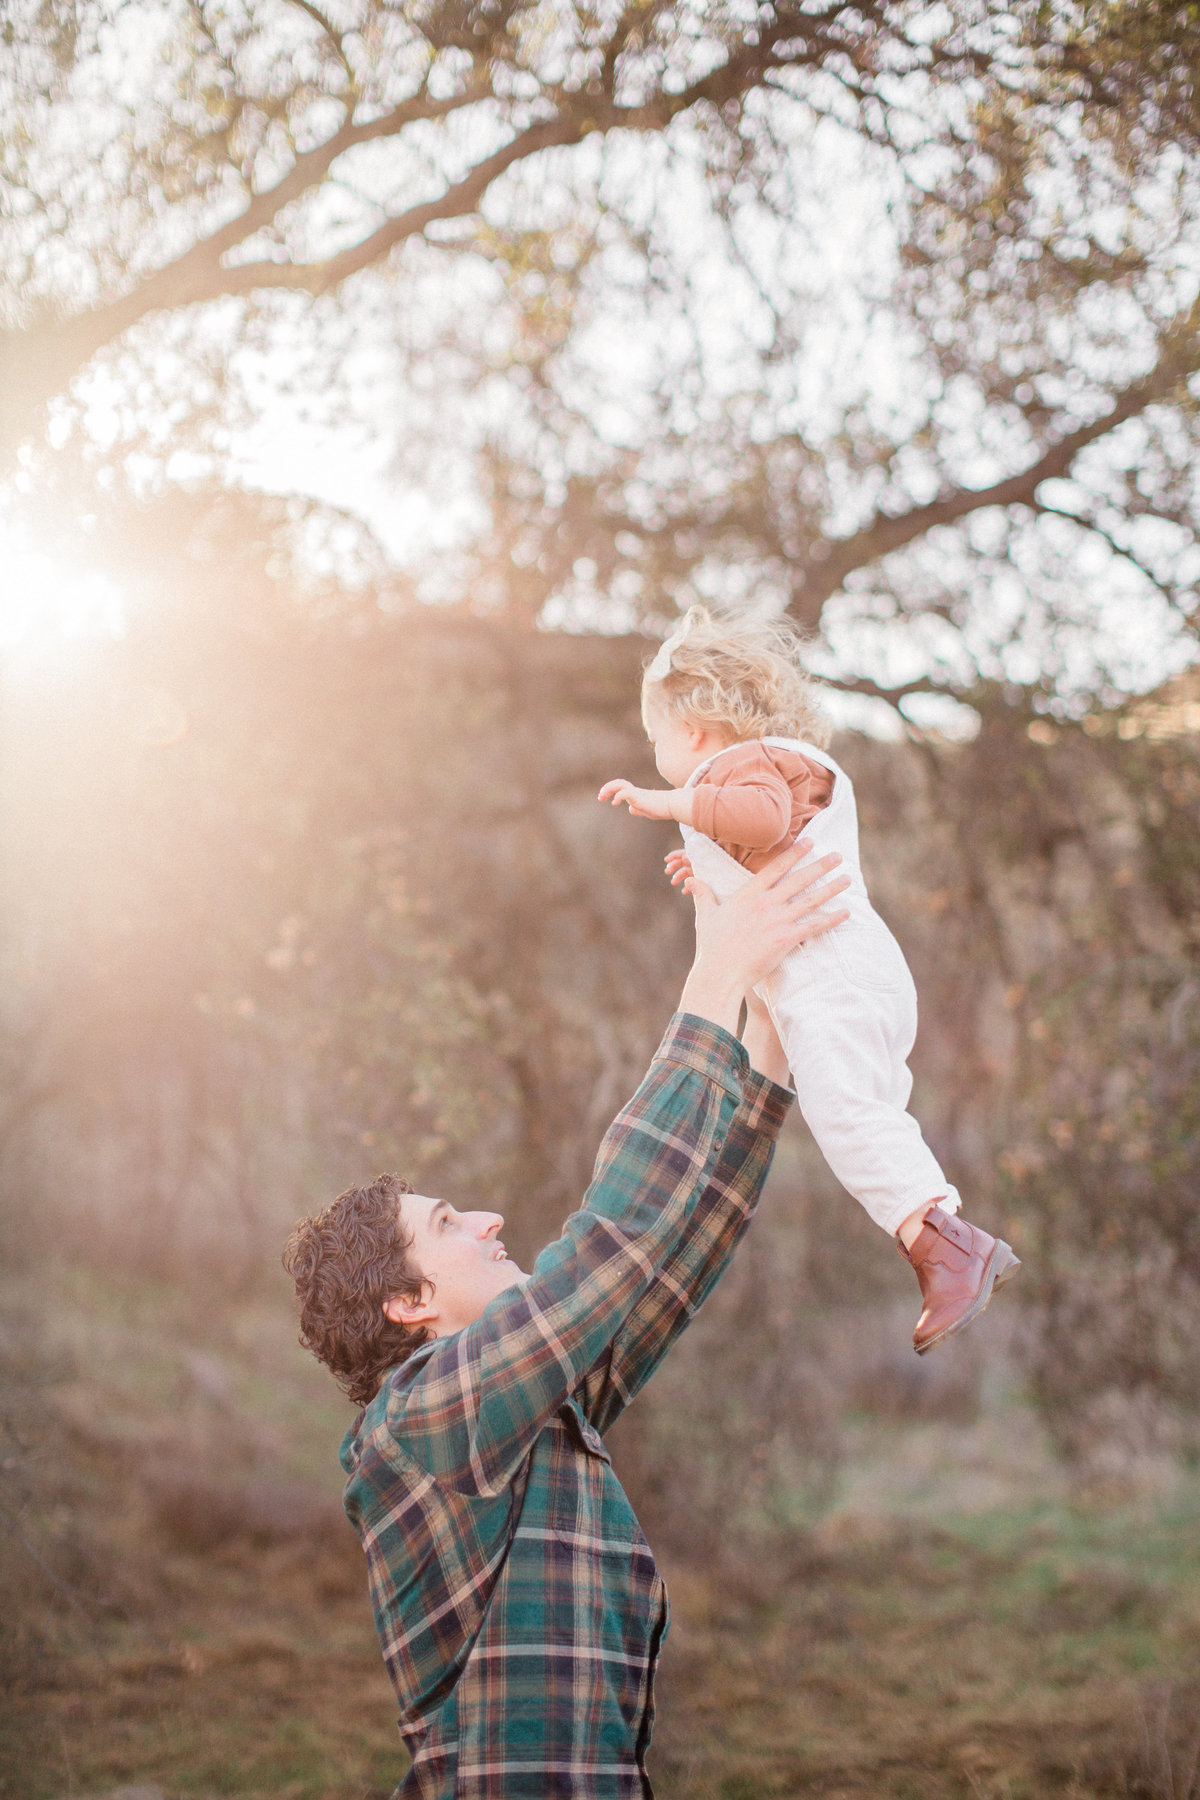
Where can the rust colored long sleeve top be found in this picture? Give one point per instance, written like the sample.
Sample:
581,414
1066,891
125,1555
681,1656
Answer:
756,799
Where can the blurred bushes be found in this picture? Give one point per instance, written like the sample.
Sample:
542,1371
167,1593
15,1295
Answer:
289,900
299,890
1103,1166
1071,938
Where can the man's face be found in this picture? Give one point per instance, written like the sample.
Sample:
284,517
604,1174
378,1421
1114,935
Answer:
461,1257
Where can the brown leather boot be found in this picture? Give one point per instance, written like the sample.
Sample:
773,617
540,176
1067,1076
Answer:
957,1266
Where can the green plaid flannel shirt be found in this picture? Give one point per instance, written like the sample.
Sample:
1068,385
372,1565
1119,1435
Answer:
518,1605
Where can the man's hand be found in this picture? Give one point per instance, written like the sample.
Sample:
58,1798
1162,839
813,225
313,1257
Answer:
742,940
643,803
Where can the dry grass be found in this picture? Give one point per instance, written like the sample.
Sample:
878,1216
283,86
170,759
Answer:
185,1609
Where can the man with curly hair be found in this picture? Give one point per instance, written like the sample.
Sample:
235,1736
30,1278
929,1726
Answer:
517,1602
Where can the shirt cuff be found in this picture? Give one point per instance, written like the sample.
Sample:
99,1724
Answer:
709,1049
765,1105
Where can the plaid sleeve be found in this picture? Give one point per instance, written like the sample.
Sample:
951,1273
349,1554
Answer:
699,1259
475,1404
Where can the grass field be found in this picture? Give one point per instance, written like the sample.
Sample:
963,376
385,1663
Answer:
184,1608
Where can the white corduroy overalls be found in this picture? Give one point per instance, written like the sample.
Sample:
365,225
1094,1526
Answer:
845,1008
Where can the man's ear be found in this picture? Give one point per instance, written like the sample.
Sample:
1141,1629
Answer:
421,1311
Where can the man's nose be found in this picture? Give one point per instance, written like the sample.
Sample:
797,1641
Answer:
488,1224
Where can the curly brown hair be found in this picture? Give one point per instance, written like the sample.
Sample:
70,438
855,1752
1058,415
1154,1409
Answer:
346,1263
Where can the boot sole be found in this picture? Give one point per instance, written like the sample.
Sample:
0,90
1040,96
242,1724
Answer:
1001,1266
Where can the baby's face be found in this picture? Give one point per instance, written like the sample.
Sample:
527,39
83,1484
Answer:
678,746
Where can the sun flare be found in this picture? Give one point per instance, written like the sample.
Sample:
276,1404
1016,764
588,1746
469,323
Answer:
48,601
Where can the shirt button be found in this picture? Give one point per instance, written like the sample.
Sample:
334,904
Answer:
718,1142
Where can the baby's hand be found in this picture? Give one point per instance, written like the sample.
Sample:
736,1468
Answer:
679,866
643,803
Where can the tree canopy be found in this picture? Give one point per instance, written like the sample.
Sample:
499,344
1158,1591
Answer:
883,312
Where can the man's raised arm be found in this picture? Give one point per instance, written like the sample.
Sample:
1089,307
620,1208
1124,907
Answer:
703,1252
476,1400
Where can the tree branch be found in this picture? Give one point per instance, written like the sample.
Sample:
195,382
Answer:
460,199
1168,590
874,690
308,171
888,532
37,363
333,36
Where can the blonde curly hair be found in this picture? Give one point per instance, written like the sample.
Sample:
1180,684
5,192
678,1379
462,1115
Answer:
738,673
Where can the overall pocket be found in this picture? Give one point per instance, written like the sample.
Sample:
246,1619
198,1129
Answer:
869,956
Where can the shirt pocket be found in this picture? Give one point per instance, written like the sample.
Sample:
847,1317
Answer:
583,1434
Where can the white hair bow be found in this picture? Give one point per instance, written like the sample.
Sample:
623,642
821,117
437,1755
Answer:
660,668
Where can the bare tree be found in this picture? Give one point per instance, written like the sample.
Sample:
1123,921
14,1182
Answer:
1021,417
1027,396
161,158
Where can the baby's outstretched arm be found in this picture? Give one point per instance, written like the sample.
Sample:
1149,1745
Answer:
650,803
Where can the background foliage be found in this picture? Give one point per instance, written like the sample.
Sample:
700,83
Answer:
301,893
403,368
